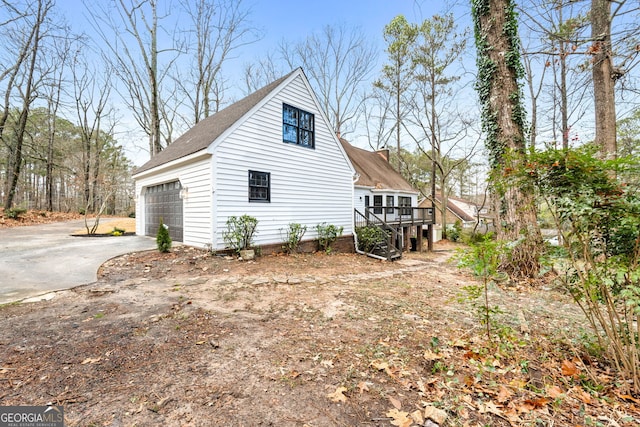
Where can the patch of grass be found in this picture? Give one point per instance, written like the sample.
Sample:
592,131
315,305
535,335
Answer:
9,304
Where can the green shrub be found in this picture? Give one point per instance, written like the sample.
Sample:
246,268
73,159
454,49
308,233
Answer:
14,213
163,239
118,231
132,214
470,238
369,236
483,258
327,236
294,235
596,209
240,232
454,232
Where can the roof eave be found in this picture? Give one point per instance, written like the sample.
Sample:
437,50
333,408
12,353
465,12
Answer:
172,164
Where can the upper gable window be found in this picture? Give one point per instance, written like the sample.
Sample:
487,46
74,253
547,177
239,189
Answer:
297,126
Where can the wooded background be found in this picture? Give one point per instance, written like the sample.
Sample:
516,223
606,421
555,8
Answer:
66,92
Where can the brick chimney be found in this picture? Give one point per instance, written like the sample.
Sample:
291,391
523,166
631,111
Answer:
384,154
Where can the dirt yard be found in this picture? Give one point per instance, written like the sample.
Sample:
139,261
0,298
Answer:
193,339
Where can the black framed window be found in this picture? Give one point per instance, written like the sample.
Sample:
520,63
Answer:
404,202
390,204
377,205
298,126
259,186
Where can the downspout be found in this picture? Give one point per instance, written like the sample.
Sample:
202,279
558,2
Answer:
356,177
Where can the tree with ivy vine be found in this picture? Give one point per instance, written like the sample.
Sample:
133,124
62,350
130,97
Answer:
503,122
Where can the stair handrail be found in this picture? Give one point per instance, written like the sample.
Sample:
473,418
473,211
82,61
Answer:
392,237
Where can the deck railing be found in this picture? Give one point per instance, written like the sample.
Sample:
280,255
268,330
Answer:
386,248
401,215
391,220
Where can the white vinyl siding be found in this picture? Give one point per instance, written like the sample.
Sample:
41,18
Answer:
195,180
361,192
307,186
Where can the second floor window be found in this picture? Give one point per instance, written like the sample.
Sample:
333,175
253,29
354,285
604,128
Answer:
298,126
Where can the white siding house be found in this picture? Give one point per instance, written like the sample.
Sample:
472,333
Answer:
378,185
271,155
383,197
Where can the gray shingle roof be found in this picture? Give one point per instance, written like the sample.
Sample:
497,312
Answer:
200,136
374,170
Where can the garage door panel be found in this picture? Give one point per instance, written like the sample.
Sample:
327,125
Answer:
163,202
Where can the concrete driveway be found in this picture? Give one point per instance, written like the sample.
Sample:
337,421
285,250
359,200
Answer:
38,259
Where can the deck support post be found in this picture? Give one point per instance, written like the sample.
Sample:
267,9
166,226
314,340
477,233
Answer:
406,238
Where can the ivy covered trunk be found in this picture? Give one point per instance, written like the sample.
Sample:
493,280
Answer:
503,117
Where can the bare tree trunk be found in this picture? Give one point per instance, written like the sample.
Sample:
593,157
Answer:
603,81
564,104
533,95
27,99
91,92
155,138
136,63
398,90
13,73
49,167
219,28
434,161
97,157
61,60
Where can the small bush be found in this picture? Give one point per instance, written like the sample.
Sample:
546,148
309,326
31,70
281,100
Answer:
14,213
240,232
294,235
163,239
454,232
327,236
471,238
369,236
118,231
132,214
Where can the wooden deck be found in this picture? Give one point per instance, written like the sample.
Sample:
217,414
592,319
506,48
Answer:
396,216
398,223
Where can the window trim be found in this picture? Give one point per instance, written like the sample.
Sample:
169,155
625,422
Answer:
268,187
299,128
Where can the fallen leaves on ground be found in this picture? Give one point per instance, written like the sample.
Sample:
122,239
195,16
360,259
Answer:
338,395
35,217
190,338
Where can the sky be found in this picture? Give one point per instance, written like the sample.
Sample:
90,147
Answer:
279,20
